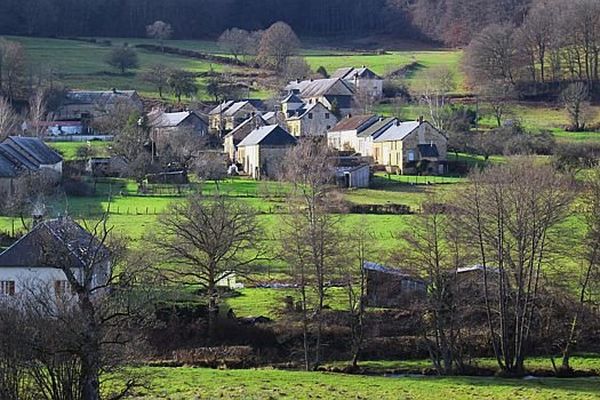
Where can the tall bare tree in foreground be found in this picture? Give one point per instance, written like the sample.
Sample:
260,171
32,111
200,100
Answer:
508,215
37,112
205,240
105,286
311,237
590,271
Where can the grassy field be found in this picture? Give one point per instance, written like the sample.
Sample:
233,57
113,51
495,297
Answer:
69,149
198,383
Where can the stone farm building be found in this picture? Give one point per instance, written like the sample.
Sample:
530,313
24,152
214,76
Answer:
164,122
23,157
364,80
390,287
262,153
335,94
229,114
85,105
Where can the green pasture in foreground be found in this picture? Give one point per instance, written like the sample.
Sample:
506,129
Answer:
198,383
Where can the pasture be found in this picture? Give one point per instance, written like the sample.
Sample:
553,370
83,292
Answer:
188,383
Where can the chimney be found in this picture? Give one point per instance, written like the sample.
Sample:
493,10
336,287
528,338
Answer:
114,90
420,120
37,214
349,116
397,122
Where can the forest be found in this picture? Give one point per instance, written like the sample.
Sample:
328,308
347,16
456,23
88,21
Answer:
445,21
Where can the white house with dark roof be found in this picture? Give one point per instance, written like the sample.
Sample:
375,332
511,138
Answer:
344,135
28,265
334,93
232,140
24,156
363,79
263,151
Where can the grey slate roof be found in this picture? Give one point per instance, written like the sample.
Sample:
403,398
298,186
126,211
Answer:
397,131
372,266
25,153
292,98
378,127
29,250
170,120
321,87
230,107
257,120
350,73
221,107
97,96
358,123
269,135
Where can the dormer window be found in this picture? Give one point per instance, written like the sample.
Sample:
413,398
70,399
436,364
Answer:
310,115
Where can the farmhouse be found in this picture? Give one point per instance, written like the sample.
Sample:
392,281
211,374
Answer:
21,157
229,114
411,147
26,267
344,135
233,138
164,122
364,139
85,105
262,152
390,287
335,94
363,79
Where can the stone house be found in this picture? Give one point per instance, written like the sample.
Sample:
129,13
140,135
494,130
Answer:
85,105
232,140
315,120
364,80
344,135
26,268
262,153
390,287
364,139
335,94
161,123
228,115
411,147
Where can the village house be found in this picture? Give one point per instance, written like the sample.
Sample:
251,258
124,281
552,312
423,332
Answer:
344,135
364,139
363,79
315,120
26,266
85,105
161,123
411,147
262,152
21,157
233,138
335,94
390,287
229,114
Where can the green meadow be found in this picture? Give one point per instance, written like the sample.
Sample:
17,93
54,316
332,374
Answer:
198,383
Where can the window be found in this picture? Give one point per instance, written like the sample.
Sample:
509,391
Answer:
310,115
7,288
60,288
411,155
326,115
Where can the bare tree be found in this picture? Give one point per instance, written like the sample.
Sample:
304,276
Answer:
431,244
210,165
509,216
310,237
12,69
575,100
8,119
591,266
157,75
234,41
277,45
439,82
122,58
182,83
38,112
205,241
497,95
538,31
161,31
